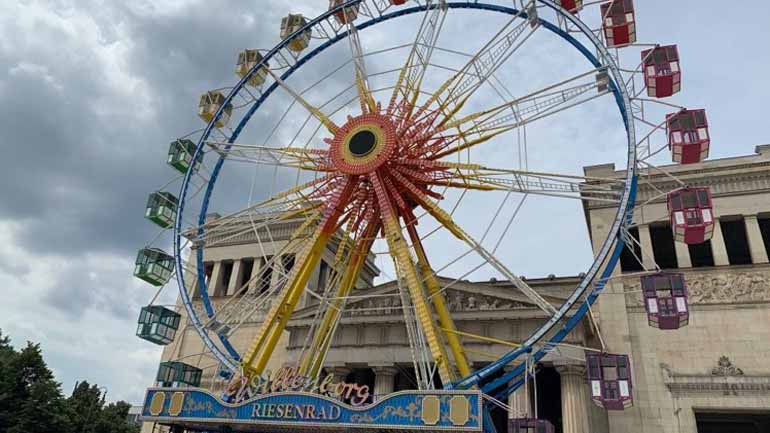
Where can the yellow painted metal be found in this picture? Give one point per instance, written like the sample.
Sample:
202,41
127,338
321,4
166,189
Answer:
430,413
175,407
312,362
256,357
439,305
467,144
318,114
411,91
379,141
399,250
466,185
157,402
301,203
459,410
365,96
482,338
435,96
484,354
399,81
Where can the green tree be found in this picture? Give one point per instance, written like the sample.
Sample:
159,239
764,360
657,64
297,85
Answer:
36,401
113,419
85,406
7,381
31,400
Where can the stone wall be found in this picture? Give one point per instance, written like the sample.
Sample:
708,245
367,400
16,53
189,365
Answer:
720,360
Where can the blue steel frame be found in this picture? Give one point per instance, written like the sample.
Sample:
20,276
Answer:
610,249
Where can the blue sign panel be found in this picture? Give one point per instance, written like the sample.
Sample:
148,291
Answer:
458,411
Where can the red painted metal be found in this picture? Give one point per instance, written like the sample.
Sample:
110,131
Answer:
618,23
662,74
609,378
383,152
393,178
572,6
342,16
688,136
665,300
691,214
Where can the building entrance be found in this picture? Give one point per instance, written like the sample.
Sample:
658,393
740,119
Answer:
733,422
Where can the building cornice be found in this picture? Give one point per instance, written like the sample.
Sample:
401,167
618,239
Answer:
724,380
746,175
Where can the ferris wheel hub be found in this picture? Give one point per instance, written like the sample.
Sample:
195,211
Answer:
363,144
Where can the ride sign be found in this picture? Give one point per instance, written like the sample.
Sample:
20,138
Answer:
288,379
198,409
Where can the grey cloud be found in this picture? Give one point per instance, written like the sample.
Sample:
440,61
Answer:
78,177
102,285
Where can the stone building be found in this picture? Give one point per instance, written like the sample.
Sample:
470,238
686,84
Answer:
710,376
715,372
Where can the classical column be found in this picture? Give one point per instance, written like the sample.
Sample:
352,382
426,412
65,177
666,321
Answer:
255,268
277,271
682,255
756,244
217,276
235,278
519,405
718,248
574,398
339,373
384,377
645,241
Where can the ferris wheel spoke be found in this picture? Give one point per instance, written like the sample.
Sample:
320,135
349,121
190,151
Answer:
296,202
450,97
254,223
344,281
486,124
290,157
481,178
315,111
257,355
409,81
446,220
405,269
366,99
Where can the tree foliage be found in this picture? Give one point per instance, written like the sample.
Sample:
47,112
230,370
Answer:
31,400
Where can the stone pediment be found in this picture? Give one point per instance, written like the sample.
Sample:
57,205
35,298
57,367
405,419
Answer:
461,297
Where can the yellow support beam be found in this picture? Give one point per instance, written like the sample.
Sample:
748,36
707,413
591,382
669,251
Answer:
324,119
258,354
482,338
256,357
399,250
439,304
313,360
367,101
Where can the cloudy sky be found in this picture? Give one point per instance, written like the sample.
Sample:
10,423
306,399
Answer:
92,91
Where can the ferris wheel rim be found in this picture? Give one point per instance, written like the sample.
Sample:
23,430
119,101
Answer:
230,359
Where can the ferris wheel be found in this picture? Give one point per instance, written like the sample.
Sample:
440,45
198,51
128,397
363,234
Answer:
416,154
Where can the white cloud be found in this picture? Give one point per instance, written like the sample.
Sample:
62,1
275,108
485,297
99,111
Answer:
82,310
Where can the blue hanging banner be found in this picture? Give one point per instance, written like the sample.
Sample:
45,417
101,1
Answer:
451,411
